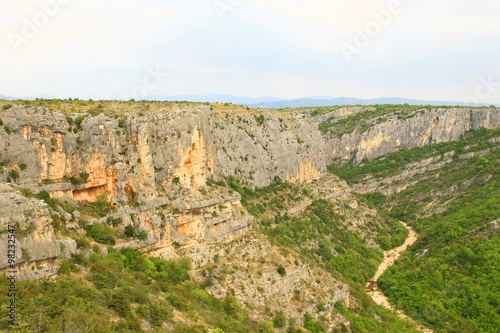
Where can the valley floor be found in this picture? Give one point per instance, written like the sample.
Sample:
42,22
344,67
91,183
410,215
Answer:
390,257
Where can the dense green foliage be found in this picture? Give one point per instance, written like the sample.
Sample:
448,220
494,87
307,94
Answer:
102,233
118,293
450,279
341,251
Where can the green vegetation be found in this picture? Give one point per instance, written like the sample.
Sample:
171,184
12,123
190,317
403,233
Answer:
13,175
100,208
102,233
340,251
81,179
449,279
120,291
260,119
322,238
281,270
269,200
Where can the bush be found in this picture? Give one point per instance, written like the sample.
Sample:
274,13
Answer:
281,270
82,243
27,193
121,304
129,231
102,233
143,235
68,266
78,121
279,320
13,175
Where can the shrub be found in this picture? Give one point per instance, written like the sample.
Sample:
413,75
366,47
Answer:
279,320
143,235
27,193
102,233
68,266
121,122
78,121
82,243
13,175
129,231
281,270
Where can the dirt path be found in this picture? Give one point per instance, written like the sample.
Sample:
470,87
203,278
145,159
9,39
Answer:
390,257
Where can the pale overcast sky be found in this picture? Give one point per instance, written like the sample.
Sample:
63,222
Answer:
105,49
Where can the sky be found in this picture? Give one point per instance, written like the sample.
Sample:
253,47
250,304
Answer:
114,49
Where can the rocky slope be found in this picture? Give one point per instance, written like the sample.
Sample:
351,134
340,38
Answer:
36,245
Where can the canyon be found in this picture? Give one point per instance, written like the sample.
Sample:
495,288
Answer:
165,175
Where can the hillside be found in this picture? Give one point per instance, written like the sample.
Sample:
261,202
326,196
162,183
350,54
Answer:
450,193
187,217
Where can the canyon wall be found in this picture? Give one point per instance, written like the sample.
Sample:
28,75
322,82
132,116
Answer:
159,170
391,135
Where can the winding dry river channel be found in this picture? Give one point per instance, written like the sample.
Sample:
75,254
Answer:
390,257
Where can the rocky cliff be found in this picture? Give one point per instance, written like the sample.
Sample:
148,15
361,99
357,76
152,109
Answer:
159,169
154,169
383,135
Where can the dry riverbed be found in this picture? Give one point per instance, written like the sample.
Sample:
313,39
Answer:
390,256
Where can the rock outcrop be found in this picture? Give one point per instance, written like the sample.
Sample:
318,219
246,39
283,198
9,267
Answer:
36,246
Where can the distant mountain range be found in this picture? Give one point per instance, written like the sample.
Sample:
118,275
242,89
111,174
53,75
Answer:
10,98
270,102
310,102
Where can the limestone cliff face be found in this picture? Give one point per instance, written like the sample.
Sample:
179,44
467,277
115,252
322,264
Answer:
136,158
434,126
262,146
36,246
